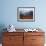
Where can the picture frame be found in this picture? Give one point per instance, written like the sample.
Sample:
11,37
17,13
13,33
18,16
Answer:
26,14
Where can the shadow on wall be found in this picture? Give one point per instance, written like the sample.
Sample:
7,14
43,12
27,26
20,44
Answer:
2,26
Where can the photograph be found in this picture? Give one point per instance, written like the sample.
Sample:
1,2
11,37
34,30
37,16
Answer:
26,14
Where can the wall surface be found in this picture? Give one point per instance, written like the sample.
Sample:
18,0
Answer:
9,13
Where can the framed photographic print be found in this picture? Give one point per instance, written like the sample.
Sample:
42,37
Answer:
26,14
